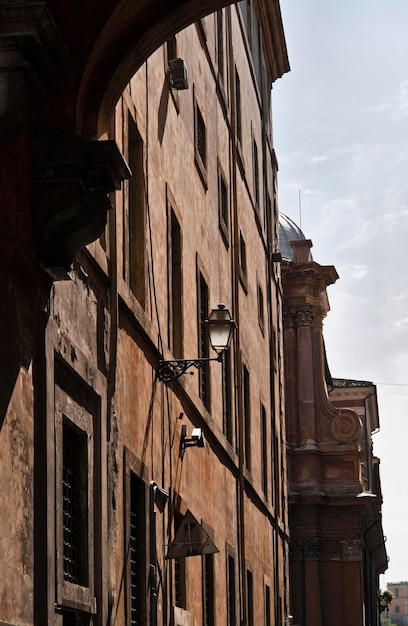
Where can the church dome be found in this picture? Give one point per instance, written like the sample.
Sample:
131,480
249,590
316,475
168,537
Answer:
288,231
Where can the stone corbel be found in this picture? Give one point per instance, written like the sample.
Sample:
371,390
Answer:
30,44
71,182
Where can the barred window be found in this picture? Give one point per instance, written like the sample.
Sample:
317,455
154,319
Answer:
75,504
137,551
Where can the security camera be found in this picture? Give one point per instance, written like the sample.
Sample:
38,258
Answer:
198,436
196,439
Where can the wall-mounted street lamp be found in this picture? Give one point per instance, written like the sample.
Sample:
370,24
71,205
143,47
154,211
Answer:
220,329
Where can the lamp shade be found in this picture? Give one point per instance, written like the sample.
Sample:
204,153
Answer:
220,328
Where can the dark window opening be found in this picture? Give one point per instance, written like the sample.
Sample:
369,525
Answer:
175,288
231,591
180,586
247,417
220,45
204,345
261,310
255,172
223,206
75,504
227,397
250,599
267,605
134,261
201,138
243,275
208,590
264,452
137,552
238,113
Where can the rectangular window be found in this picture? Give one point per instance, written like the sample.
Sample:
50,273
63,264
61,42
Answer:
238,112
247,417
220,45
180,587
204,346
232,616
76,534
75,503
208,590
134,218
250,599
137,551
261,311
264,452
223,206
243,272
175,286
200,144
267,605
227,397
255,167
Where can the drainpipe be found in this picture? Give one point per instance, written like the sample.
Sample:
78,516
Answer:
237,343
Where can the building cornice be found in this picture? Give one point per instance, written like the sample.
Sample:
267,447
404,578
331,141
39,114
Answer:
275,51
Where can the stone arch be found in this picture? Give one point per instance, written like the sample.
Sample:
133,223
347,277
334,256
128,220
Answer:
131,33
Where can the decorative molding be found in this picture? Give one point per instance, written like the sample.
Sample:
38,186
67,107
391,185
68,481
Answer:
71,180
318,549
346,426
301,314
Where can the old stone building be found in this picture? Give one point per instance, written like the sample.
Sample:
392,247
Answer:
337,542
133,493
398,608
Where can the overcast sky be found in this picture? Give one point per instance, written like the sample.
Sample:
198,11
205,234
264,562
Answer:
341,137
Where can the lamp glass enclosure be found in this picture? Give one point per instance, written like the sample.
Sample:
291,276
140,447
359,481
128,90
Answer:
220,328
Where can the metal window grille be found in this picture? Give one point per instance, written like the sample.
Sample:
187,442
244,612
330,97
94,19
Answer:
137,552
75,504
208,590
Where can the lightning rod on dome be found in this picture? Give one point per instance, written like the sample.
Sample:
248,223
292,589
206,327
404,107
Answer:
300,211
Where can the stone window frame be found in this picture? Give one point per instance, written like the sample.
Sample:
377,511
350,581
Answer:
65,366
133,466
72,595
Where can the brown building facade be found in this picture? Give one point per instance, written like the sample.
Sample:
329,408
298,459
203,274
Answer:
107,517
398,609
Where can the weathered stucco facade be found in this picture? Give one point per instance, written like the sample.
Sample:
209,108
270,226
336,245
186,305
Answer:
95,480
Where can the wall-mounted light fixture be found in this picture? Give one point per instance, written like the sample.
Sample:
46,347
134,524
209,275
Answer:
196,439
178,74
220,329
